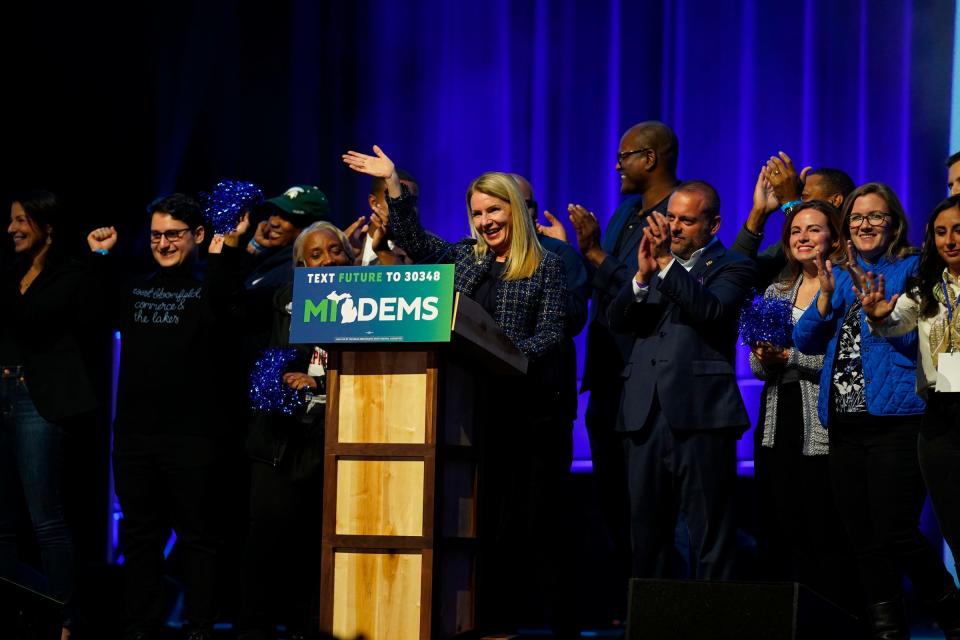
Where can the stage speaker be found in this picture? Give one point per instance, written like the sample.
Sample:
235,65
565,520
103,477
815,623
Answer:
671,609
26,614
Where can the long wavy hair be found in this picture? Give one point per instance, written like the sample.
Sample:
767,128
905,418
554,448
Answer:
898,245
930,271
834,224
525,250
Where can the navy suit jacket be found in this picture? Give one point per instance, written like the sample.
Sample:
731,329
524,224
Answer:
685,336
608,351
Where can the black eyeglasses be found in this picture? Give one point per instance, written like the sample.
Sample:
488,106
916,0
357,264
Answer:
172,235
875,218
623,155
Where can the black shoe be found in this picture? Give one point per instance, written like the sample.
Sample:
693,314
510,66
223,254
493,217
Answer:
947,610
200,633
888,621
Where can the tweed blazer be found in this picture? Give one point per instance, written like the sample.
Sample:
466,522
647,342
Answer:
531,311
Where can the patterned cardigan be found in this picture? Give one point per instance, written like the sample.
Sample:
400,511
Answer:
799,366
531,312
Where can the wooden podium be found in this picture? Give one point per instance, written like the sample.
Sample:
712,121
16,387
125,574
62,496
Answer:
400,504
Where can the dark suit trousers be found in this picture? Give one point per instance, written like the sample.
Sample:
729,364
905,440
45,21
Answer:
690,471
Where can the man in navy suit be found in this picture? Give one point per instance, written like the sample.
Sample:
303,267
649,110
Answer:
681,413
647,166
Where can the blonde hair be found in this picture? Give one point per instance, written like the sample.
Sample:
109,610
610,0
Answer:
525,250
323,225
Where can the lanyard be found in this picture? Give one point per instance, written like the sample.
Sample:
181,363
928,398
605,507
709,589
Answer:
946,298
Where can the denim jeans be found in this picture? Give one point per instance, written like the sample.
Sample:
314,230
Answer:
31,464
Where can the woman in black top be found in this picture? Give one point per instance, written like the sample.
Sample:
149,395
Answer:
46,384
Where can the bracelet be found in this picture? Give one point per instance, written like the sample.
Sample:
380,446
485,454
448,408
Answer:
102,252
257,247
786,207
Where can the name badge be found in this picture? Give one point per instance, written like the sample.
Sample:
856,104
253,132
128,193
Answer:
948,372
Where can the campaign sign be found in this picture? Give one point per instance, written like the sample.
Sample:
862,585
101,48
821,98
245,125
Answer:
372,304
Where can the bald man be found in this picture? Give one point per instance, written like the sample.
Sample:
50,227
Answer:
647,165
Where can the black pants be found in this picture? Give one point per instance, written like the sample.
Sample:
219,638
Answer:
526,522
939,448
802,538
880,494
610,472
281,563
690,471
164,482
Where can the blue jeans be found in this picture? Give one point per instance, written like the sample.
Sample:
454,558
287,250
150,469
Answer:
31,465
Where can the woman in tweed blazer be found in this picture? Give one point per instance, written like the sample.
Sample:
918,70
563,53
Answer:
801,533
523,470
528,285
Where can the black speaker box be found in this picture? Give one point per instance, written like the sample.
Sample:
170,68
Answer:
26,614
671,609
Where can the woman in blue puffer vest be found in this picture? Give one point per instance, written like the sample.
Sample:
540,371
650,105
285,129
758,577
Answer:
869,404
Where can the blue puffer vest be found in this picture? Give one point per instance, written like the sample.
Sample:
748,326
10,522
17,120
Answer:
889,364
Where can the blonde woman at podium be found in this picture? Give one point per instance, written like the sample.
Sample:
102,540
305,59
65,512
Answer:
286,456
523,287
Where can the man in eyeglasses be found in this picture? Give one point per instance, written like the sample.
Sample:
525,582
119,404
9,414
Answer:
168,430
646,163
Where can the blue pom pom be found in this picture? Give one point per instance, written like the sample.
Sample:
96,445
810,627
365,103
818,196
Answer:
767,320
222,207
268,392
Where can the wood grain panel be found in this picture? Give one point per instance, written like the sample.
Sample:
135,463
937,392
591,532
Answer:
377,595
383,397
380,497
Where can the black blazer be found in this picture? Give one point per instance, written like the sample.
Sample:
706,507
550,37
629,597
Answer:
685,342
57,331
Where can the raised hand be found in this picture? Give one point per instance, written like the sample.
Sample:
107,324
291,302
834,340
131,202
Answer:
377,231
828,283
658,233
232,238
102,238
856,273
216,244
355,233
872,297
782,177
764,200
555,228
378,166
646,264
588,233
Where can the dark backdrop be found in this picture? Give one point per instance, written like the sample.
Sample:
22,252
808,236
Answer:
114,105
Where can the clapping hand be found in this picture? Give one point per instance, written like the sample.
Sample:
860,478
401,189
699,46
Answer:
554,229
659,236
587,229
783,178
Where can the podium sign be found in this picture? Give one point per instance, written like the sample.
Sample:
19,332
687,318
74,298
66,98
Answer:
372,304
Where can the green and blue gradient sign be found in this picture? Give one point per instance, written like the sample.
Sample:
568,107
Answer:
372,304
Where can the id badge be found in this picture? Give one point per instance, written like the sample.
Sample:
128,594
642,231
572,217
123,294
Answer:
948,372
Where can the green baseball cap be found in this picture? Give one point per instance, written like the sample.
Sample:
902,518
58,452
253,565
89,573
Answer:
303,203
